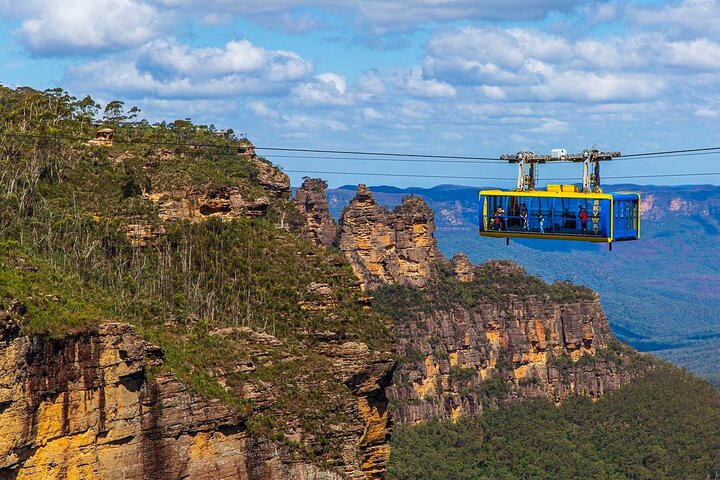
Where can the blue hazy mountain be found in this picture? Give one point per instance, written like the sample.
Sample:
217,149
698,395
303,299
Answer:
661,293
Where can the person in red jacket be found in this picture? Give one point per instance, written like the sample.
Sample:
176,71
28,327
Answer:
583,219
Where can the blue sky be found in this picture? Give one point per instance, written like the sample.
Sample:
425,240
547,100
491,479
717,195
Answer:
445,77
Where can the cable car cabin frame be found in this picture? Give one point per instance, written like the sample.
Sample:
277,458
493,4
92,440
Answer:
554,214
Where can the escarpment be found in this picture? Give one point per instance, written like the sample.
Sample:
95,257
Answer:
101,405
159,319
388,247
253,353
474,338
175,200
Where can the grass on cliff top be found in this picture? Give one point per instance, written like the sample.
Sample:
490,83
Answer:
205,277
241,273
662,426
56,302
493,283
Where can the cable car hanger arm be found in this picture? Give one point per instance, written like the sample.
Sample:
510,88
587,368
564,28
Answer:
528,160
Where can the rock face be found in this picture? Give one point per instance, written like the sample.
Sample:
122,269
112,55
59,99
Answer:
88,407
388,247
143,235
318,224
270,177
458,360
463,267
195,205
229,201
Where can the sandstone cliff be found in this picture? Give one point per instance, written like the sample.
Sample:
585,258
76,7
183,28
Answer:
101,405
469,336
231,348
388,247
318,225
177,201
498,334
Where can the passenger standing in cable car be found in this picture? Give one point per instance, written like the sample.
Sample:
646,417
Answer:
541,222
583,219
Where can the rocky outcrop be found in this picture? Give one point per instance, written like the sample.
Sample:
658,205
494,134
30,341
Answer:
457,360
11,317
100,405
226,202
388,247
143,234
502,334
318,225
268,186
270,177
463,267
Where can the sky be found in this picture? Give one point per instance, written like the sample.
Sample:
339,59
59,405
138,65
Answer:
439,77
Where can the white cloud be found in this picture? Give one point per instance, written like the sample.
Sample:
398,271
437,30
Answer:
613,53
325,89
397,14
291,22
414,83
589,86
171,60
525,64
371,83
66,27
490,56
262,110
312,124
682,19
550,125
700,54
492,92
168,69
598,12
492,111
416,110
384,15
707,112
369,114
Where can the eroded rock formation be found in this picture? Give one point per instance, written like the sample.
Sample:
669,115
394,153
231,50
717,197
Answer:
458,360
388,247
196,205
463,267
269,185
318,224
270,177
99,405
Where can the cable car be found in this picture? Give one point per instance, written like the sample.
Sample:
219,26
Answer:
561,212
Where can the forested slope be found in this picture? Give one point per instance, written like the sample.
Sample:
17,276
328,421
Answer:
663,426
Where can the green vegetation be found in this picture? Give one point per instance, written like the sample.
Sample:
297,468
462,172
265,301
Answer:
662,426
65,254
491,285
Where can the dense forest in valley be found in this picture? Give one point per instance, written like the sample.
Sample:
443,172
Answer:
663,426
